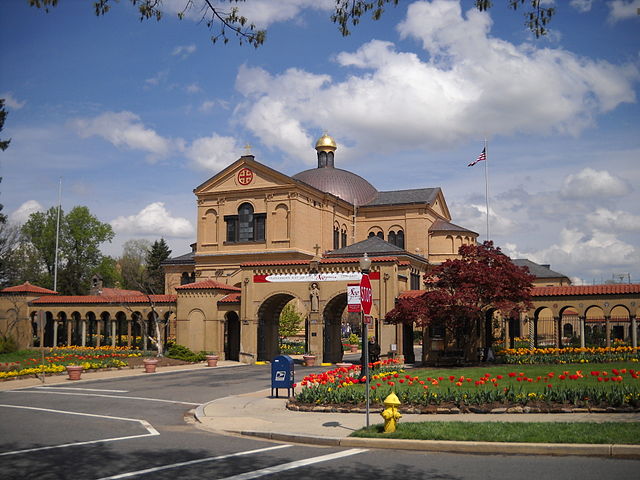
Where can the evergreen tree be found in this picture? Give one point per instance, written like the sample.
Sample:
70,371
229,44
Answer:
158,253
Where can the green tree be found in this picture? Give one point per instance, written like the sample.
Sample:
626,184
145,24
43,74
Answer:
290,320
108,270
132,263
40,232
4,144
461,292
158,253
79,255
80,246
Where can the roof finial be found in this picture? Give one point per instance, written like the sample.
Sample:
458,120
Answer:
247,149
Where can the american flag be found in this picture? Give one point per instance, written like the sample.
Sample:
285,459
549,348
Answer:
481,157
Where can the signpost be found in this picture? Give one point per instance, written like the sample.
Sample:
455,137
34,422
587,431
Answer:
366,301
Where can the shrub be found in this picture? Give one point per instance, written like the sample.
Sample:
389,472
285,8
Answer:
8,344
180,352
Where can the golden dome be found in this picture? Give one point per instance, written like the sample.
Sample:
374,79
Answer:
326,143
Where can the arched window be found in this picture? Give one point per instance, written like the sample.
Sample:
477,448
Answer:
567,330
343,237
396,238
391,238
371,234
247,226
336,237
380,235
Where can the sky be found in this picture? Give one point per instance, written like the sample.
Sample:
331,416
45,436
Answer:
132,116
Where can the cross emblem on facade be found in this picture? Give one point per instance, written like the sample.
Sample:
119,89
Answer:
316,247
245,176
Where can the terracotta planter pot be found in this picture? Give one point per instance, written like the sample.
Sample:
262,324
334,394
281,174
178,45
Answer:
309,360
150,365
354,348
74,371
212,360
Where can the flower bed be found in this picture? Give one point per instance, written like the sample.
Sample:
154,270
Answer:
56,360
617,387
532,356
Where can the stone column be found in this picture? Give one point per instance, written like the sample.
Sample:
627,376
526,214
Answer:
98,331
113,332
634,331
84,331
607,329
69,331
582,329
129,331
507,332
557,331
55,333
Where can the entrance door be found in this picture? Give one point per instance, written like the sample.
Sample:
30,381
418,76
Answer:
332,343
232,337
407,343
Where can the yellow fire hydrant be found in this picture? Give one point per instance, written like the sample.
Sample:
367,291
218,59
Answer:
391,414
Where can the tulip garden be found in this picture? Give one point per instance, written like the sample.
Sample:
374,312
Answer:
542,386
31,362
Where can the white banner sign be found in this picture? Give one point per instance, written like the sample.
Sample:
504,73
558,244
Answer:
309,277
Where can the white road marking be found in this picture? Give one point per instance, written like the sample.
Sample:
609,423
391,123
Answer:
106,396
84,389
152,431
297,464
191,462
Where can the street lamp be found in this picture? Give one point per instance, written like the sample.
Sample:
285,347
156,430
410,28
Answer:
365,263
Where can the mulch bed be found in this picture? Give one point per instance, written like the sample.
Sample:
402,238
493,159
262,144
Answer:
451,409
136,362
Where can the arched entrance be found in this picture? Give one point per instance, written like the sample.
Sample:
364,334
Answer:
332,318
268,322
232,337
407,343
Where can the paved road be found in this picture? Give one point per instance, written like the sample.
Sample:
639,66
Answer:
135,427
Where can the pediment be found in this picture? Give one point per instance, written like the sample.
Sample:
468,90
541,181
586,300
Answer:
244,174
440,207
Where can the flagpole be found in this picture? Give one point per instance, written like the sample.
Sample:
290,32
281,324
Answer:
55,265
486,183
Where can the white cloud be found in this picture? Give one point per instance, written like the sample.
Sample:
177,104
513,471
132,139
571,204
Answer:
193,88
466,84
12,102
618,220
157,78
591,183
22,213
213,153
577,251
623,10
207,106
154,219
183,51
582,6
124,130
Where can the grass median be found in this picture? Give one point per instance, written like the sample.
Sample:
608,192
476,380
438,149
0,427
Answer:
525,432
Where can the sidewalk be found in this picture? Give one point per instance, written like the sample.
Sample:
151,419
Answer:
256,414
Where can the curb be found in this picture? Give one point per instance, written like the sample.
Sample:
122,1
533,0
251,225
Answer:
549,449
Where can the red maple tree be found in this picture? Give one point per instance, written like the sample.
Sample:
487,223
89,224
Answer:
461,292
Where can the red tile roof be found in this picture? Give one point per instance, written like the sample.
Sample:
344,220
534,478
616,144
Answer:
208,285
411,293
607,289
102,299
231,298
112,292
26,287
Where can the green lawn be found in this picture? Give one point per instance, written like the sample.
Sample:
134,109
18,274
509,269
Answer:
538,432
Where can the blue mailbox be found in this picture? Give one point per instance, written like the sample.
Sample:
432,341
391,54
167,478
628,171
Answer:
282,374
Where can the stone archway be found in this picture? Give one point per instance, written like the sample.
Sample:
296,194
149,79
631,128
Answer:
232,337
332,320
268,323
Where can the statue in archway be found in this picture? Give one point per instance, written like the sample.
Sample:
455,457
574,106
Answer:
314,293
